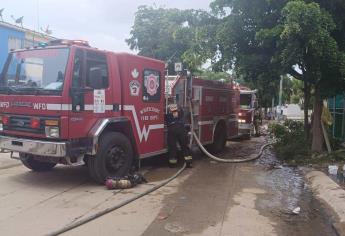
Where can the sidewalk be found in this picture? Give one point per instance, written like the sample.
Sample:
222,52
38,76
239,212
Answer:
331,194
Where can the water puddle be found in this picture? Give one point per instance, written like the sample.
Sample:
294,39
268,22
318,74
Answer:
290,200
287,183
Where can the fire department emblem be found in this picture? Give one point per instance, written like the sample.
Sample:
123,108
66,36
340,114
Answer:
135,73
134,87
151,84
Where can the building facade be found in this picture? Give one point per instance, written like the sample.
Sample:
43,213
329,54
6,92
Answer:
15,37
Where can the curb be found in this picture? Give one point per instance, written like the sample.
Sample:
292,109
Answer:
329,192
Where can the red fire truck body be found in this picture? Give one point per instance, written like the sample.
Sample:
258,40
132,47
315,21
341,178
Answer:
246,113
68,102
214,105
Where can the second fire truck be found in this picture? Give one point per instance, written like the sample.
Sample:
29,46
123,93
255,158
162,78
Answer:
248,105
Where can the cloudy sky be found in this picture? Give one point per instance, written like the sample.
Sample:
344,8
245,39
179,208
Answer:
104,23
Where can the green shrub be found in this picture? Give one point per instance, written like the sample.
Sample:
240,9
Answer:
290,140
278,131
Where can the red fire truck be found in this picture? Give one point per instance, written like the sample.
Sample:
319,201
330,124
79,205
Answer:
248,105
214,108
69,103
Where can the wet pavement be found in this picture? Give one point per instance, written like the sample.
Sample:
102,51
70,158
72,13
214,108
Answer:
254,198
242,199
288,192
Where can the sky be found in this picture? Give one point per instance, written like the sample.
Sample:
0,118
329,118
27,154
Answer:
104,23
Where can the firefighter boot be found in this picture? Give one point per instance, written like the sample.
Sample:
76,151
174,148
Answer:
172,162
188,160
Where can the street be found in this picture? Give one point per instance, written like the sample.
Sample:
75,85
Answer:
255,198
199,117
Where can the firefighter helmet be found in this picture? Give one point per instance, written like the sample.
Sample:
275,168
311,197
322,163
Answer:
173,107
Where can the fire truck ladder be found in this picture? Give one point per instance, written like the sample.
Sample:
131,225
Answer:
194,107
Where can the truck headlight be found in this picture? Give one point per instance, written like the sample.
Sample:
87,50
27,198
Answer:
52,132
1,127
241,121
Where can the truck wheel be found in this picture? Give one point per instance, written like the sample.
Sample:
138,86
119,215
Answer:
113,159
219,139
35,165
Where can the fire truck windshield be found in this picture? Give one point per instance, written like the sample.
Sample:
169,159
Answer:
35,71
246,101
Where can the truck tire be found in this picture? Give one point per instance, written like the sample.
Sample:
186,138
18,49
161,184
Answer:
219,139
113,159
35,165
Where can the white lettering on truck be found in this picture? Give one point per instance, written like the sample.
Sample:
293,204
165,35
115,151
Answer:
40,106
4,104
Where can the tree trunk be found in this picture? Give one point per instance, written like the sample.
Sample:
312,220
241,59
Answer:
306,91
317,142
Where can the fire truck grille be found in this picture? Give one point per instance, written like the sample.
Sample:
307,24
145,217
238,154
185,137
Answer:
23,124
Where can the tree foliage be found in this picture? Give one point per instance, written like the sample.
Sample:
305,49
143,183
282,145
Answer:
239,48
307,42
257,40
172,35
209,74
272,38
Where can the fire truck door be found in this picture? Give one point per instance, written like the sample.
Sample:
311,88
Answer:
89,92
145,107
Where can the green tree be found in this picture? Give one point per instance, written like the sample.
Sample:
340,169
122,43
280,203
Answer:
336,8
306,41
297,92
263,39
240,50
172,35
209,74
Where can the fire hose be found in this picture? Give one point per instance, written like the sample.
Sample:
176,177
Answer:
117,206
134,198
203,149
232,160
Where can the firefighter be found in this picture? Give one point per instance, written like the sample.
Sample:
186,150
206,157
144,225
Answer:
257,117
177,133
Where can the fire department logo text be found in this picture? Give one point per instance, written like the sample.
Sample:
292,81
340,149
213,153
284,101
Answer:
40,106
144,117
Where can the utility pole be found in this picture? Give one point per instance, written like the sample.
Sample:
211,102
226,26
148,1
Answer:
280,97
273,112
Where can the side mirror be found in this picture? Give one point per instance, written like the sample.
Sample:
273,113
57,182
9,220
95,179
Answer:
96,79
78,103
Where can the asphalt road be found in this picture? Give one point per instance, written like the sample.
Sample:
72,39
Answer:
255,198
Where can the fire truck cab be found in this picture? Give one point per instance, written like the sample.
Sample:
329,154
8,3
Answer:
248,104
69,103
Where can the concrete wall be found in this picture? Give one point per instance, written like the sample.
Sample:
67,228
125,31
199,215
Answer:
5,33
